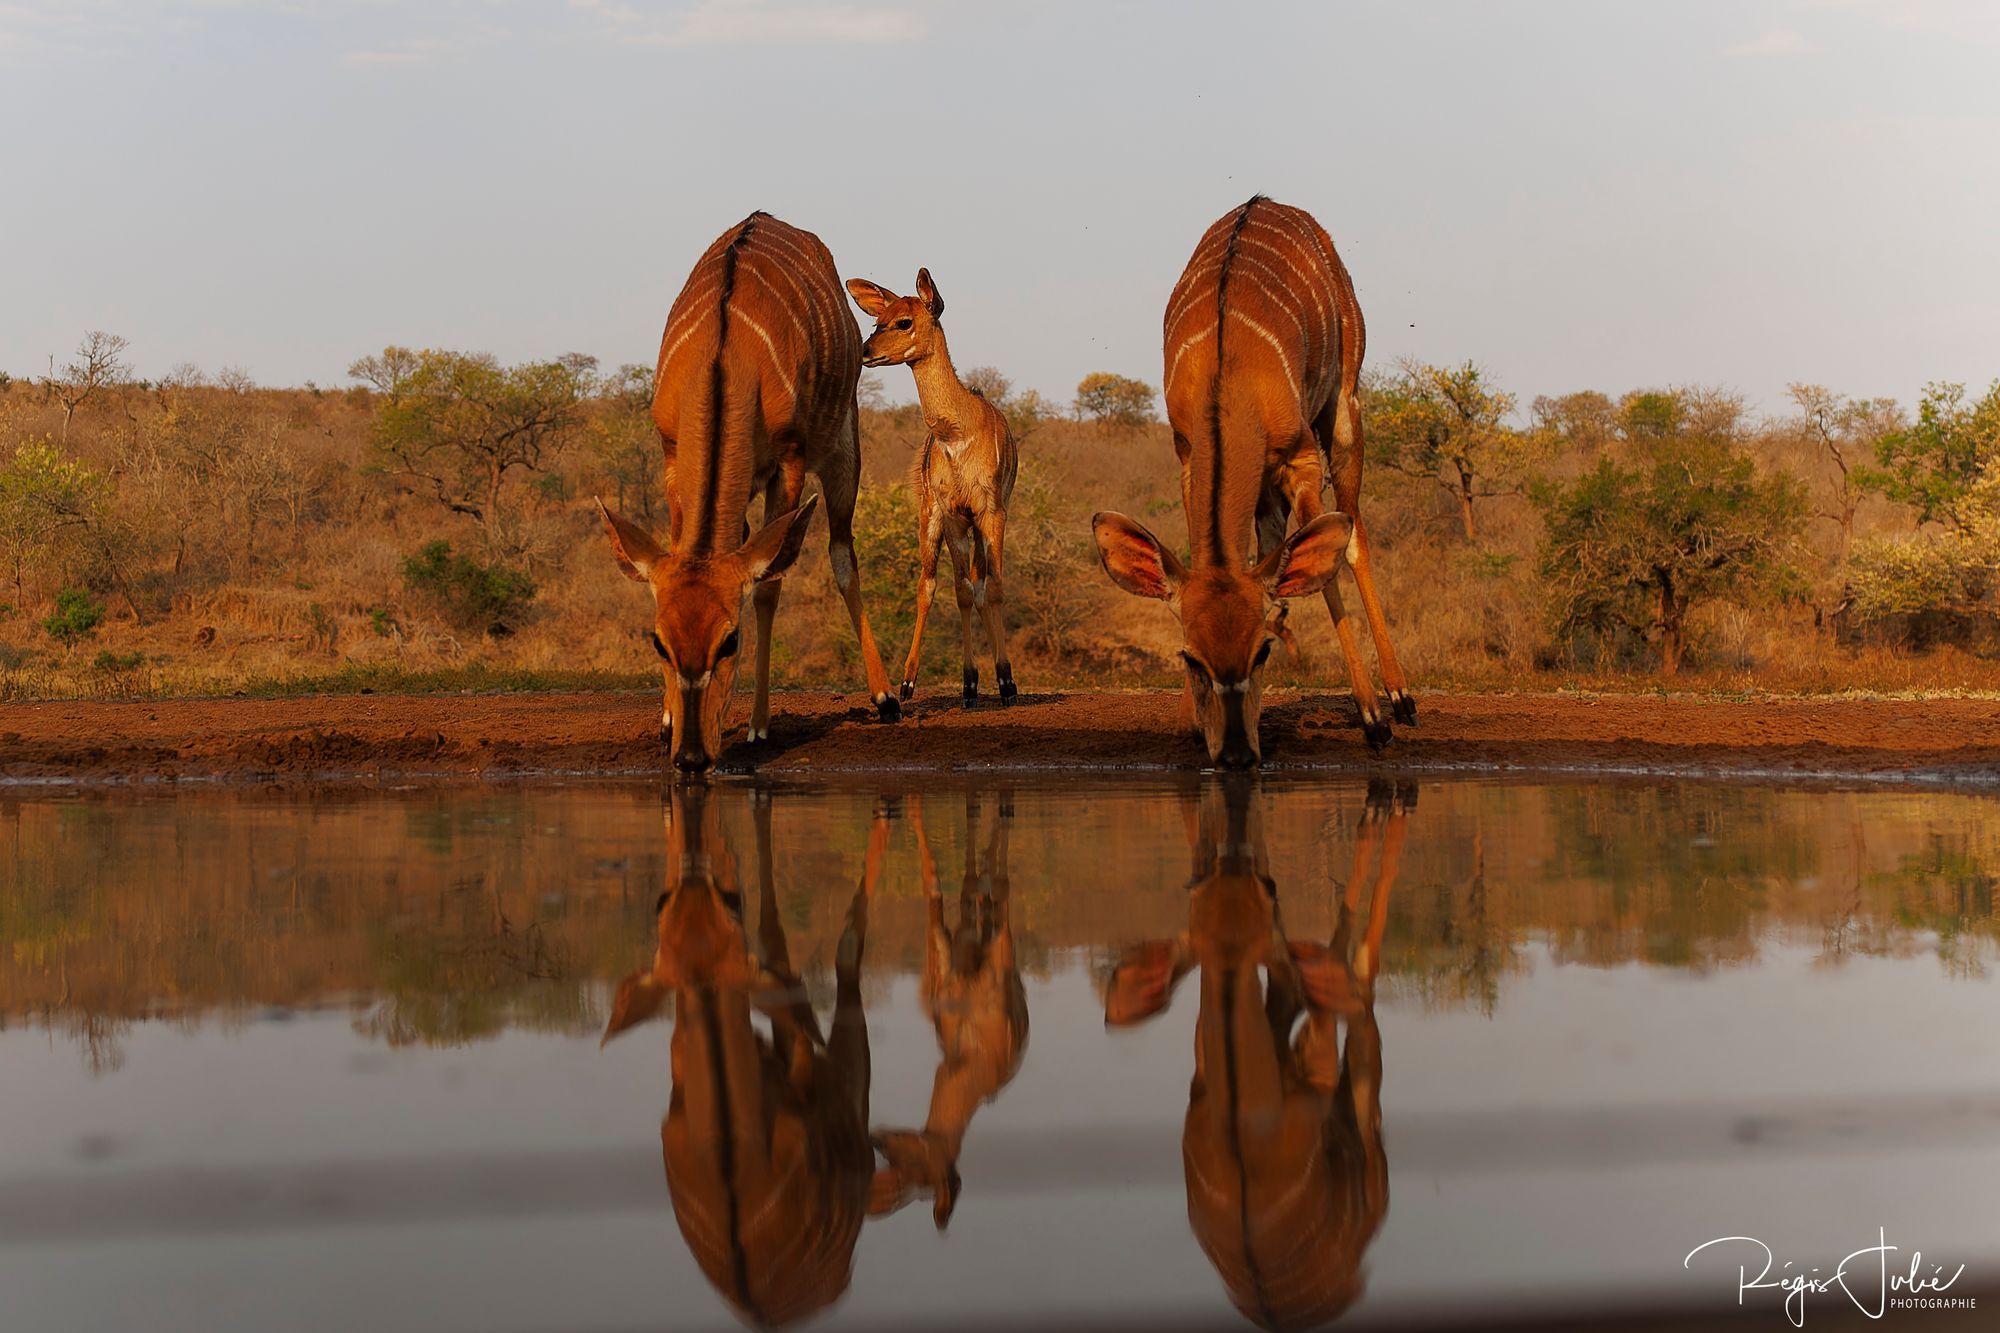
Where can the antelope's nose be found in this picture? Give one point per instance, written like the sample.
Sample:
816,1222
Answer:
691,760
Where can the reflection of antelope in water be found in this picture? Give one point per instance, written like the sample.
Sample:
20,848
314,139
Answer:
768,1162
1287,1181
973,993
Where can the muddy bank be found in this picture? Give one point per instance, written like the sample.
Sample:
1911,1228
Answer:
497,736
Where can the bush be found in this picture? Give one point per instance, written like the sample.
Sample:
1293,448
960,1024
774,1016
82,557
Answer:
76,617
110,661
471,595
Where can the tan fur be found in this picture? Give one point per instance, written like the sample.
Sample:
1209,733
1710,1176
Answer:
772,1218
964,473
1263,341
977,1005
754,389
1287,1177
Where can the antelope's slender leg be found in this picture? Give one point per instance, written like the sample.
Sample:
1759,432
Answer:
958,540
937,950
1307,504
780,497
930,537
840,482
990,593
1347,437
847,1041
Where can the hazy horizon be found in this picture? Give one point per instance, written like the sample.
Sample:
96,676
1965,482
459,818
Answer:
1573,195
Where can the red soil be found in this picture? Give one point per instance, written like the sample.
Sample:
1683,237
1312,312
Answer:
330,737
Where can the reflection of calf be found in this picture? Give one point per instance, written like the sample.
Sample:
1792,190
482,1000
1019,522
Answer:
765,1140
1287,1182
973,993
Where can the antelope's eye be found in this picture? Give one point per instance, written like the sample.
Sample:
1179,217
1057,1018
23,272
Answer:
1263,655
661,905
728,646
902,323
1194,665
659,647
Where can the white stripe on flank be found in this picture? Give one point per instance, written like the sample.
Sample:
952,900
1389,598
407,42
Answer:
1186,343
1267,336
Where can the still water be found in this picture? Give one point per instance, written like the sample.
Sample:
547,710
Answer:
1154,1056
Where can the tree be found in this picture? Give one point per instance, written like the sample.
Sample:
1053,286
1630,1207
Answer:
1933,464
44,495
626,443
988,383
99,361
1449,425
1687,521
1843,431
1577,424
1113,400
458,425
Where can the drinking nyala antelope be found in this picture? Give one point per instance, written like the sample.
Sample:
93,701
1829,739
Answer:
765,1142
964,474
1263,344
977,1005
755,388
1287,1177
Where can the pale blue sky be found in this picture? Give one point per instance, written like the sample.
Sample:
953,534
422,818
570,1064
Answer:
1577,195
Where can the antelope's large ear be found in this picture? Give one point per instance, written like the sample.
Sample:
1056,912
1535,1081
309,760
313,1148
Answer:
1309,558
639,998
637,552
1134,558
927,292
772,549
872,299
1144,980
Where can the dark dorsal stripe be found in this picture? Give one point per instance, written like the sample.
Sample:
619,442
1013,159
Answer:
717,386
718,1073
1213,528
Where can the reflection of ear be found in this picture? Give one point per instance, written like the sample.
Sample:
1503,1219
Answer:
637,552
771,551
1309,558
872,299
1134,558
927,292
1144,980
639,998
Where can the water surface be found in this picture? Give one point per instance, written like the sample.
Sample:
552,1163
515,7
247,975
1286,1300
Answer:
1168,1055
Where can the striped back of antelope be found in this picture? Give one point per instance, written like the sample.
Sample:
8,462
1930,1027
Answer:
1252,337
758,344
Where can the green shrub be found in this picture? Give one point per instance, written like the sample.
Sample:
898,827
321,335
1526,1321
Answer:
110,661
471,594
76,617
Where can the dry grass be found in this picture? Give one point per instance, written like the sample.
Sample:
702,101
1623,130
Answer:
249,547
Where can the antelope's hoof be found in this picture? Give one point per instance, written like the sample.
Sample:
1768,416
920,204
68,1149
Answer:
888,708
755,734
971,684
1404,707
1008,690
908,688
1377,734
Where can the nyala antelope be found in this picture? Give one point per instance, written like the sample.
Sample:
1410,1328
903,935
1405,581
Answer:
964,475
972,991
1287,1178
755,388
1263,341
768,1162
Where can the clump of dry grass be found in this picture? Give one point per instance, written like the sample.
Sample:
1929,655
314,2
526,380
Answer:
247,543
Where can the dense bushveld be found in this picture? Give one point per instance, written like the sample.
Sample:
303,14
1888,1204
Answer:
433,526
